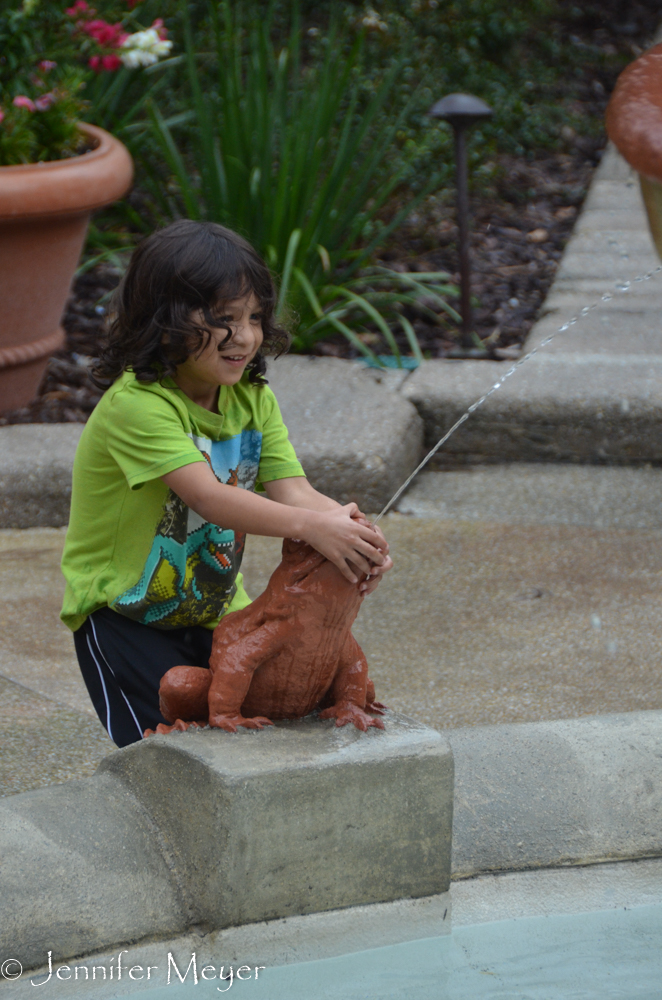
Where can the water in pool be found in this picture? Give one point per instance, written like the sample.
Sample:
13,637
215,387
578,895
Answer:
590,956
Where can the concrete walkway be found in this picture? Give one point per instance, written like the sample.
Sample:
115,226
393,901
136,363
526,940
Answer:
518,594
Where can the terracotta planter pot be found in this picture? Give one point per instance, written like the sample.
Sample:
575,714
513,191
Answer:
44,214
634,125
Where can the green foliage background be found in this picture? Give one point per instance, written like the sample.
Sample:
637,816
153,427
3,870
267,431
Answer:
211,130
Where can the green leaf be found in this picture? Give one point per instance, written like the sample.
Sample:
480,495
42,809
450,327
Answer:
410,334
292,245
374,314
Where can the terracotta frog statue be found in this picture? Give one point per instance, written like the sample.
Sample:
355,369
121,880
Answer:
288,653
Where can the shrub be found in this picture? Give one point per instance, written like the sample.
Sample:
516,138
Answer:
301,160
49,53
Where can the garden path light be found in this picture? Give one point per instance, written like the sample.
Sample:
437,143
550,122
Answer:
462,111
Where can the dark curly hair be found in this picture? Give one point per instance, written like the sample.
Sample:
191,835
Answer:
186,267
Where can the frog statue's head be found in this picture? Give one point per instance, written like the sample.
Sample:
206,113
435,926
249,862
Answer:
307,570
300,558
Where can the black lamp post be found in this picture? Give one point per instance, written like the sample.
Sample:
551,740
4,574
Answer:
462,111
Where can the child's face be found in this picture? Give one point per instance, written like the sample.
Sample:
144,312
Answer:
225,365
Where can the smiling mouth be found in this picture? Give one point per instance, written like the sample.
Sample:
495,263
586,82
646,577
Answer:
234,359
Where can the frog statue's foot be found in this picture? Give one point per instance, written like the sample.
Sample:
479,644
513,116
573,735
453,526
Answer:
376,707
178,726
370,704
230,723
344,713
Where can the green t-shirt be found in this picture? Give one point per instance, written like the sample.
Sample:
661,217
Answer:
132,544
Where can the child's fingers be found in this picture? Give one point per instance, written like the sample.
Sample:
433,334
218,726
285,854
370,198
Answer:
352,510
360,564
352,564
384,568
374,536
371,584
380,533
344,568
368,549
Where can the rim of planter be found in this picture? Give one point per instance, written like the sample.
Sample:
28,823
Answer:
75,185
634,114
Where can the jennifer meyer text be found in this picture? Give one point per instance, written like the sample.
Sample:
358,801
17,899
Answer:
116,970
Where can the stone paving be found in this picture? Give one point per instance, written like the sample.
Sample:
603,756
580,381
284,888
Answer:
518,594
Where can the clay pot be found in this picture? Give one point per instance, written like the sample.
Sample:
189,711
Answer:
634,125
44,213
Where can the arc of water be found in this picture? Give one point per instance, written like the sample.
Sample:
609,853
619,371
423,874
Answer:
619,288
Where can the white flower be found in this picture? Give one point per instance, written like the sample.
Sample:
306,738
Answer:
373,22
144,48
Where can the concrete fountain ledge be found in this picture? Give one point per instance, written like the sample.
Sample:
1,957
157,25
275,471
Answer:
209,830
307,840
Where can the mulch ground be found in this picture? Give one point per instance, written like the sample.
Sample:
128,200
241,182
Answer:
518,234
520,226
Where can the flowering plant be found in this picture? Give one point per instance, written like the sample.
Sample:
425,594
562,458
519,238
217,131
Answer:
49,53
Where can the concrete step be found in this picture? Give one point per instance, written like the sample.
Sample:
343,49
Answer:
582,408
528,494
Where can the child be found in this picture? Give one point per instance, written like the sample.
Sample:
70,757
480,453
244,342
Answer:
157,524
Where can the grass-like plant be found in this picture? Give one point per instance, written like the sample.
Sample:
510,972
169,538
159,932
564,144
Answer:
301,160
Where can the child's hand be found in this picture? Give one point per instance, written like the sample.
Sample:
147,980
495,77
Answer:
344,536
377,572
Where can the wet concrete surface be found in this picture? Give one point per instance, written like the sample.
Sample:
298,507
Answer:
499,623
489,620
533,494
36,649
43,742
49,732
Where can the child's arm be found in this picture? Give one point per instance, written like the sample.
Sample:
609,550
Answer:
337,532
297,492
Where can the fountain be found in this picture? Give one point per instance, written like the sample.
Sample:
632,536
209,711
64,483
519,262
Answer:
321,858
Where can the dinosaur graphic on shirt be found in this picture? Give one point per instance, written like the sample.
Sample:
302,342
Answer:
190,571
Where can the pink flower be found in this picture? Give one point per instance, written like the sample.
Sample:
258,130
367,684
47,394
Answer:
77,8
99,63
107,35
2,115
111,62
47,64
21,101
158,26
132,3
45,102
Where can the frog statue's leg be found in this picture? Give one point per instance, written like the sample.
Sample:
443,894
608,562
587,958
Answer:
233,665
349,690
182,699
370,704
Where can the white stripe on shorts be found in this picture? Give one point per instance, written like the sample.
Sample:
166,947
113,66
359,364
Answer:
101,653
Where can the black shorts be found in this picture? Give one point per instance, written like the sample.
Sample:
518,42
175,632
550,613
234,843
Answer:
122,663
